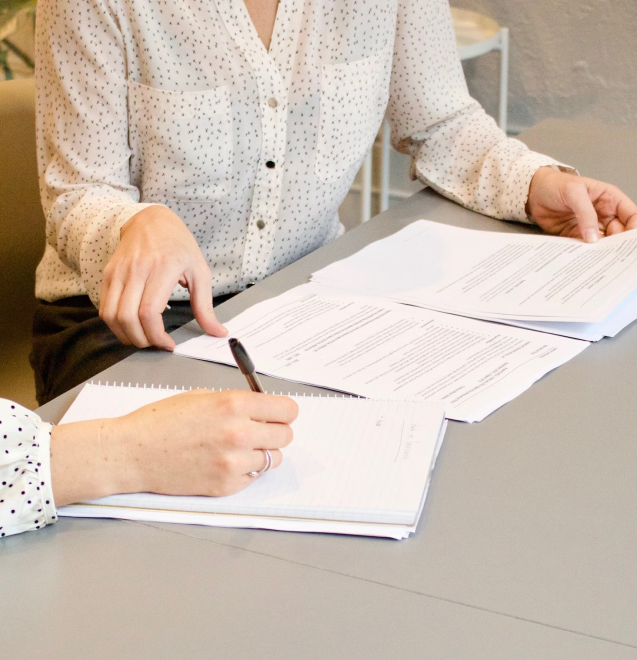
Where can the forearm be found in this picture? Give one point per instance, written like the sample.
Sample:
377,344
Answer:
194,443
457,149
90,460
82,135
470,160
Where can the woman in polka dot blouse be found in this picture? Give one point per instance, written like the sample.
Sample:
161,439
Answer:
196,443
188,149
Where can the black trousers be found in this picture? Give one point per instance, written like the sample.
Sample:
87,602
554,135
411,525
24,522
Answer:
71,343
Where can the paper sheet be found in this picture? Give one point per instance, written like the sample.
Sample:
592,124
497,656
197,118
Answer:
380,349
611,326
355,467
493,275
397,532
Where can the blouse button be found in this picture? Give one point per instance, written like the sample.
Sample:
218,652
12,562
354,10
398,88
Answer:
273,103
260,224
250,285
270,163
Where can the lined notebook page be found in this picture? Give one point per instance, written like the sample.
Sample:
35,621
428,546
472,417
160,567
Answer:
355,460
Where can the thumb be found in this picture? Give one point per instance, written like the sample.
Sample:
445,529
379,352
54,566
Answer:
577,199
201,302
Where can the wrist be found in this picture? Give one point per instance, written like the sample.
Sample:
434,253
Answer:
541,175
540,180
149,215
90,460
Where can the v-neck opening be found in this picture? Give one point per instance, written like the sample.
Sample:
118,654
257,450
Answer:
278,60
275,28
275,40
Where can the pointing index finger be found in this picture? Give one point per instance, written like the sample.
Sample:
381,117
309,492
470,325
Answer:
576,197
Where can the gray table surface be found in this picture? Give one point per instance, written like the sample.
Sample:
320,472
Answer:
527,546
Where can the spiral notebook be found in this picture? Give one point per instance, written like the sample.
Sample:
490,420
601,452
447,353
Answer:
355,466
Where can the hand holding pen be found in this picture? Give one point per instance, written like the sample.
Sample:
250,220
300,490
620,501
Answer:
246,366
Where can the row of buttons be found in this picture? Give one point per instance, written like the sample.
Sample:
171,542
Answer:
269,164
273,103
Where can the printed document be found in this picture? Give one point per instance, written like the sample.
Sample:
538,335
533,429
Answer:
380,349
492,275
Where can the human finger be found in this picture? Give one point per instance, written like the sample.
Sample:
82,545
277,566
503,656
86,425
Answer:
109,301
575,195
153,303
235,475
266,435
627,212
256,460
200,287
128,312
259,407
614,227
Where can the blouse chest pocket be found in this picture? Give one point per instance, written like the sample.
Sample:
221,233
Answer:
353,101
183,142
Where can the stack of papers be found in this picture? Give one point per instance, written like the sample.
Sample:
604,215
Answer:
377,348
355,466
548,283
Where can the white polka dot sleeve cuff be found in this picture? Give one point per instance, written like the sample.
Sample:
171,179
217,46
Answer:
467,158
457,149
26,496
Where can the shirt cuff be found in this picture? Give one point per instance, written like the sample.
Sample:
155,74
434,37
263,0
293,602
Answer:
26,494
47,503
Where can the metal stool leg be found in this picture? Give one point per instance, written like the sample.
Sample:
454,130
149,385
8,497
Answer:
504,77
366,199
384,172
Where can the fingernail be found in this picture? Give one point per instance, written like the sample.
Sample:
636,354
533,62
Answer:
591,235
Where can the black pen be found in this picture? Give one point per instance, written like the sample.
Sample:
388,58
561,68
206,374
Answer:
245,364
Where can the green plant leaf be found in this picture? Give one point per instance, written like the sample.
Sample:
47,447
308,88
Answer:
9,9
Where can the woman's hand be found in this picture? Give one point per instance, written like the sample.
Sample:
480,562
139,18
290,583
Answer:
196,443
156,252
576,206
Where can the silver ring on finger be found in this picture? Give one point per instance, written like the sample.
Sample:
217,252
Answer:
268,464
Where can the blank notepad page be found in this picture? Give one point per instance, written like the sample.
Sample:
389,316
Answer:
356,460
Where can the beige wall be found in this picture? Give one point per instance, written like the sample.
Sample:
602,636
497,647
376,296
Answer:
569,58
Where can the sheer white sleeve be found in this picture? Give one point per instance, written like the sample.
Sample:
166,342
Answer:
456,148
82,135
26,496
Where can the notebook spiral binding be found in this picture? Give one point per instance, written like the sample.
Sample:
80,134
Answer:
167,388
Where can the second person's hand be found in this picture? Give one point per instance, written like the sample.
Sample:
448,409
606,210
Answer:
156,252
576,206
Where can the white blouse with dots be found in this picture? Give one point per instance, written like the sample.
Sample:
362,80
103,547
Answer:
177,102
26,497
